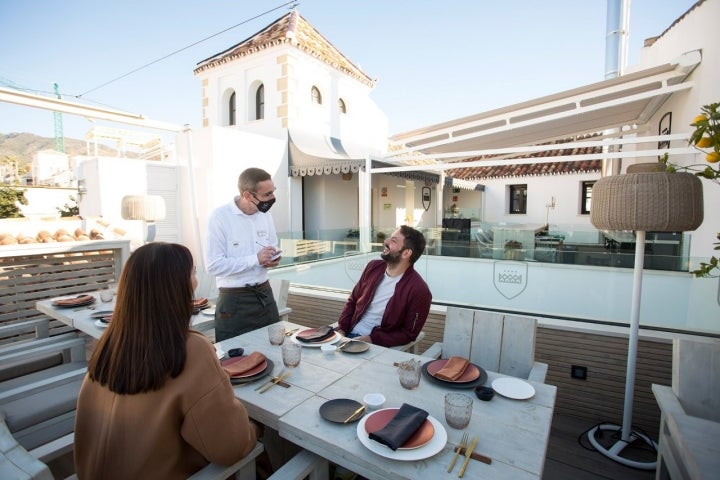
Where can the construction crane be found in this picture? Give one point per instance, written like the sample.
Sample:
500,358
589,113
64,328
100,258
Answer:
57,116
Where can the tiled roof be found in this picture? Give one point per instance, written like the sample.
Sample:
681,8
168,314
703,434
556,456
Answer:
532,169
292,29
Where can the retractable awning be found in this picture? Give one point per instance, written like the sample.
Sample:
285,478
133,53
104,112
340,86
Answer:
464,184
315,154
629,100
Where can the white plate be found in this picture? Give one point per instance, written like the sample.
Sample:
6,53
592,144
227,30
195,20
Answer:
100,324
208,311
513,388
335,339
435,445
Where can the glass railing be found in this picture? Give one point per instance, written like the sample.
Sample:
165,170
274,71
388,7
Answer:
591,283
572,245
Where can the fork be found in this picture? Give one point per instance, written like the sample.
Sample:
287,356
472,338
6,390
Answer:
458,449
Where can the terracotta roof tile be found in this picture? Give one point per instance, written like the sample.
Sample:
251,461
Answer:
532,169
291,29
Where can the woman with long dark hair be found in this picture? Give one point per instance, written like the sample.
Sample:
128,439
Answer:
155,402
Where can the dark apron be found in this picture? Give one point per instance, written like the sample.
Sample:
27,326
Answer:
240,310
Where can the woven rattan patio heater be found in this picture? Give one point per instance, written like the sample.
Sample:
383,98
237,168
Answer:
644,201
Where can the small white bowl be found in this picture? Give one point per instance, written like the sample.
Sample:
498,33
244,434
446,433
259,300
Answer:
328,349
373,401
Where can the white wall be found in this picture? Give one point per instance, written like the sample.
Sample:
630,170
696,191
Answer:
697,31
219,155
565,188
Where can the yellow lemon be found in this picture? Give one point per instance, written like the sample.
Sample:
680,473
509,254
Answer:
713,157
700,118
704,142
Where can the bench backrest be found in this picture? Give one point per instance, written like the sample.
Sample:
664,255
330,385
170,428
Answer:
498,342
696,377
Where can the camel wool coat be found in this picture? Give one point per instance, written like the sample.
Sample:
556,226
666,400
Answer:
193,420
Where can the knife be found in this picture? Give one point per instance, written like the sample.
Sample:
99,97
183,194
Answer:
468,454
355,414
279,376
290,332
275,382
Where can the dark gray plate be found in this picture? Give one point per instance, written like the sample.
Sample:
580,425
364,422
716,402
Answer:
340,409
355,346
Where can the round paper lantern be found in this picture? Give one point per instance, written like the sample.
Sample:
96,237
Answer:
143,207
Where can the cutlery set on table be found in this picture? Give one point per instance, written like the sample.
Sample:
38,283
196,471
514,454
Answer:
469,452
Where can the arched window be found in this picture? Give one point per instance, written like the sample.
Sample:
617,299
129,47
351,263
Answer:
341,105
315,96
231,109
260,102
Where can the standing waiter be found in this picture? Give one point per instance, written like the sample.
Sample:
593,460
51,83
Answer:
241,245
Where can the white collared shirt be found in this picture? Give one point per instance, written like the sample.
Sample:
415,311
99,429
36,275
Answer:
233,242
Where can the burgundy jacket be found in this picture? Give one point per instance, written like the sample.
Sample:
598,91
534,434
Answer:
405,313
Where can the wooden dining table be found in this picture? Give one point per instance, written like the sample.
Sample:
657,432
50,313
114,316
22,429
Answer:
513,433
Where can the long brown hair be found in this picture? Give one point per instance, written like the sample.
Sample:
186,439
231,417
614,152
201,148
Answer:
144,344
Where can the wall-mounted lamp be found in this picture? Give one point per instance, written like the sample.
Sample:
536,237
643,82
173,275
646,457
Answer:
148,208
81,188
548,207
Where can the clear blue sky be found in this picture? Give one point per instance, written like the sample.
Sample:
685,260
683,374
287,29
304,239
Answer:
435,60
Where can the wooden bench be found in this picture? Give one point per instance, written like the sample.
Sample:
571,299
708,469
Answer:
499,342
294,248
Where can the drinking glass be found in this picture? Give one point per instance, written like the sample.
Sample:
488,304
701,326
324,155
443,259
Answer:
106,294
458,410
276,333
409,372
291,353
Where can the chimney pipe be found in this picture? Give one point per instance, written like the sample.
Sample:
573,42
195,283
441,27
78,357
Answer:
616,47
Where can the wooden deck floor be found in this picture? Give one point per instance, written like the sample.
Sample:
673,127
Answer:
566,458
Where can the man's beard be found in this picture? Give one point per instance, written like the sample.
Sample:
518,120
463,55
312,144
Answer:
391,258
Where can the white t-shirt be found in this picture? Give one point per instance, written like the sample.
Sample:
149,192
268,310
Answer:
374,313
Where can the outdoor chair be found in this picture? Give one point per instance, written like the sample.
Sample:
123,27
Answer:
690,420
18,463
485,244
495,341
40,381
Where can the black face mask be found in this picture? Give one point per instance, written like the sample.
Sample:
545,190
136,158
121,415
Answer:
264,206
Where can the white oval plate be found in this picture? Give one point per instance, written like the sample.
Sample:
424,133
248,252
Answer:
100,324
513,388
208,311
435,445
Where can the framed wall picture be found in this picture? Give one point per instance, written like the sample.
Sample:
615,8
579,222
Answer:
665,128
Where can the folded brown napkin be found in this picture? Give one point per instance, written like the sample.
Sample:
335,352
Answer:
453,369
79,300
402,426
315,334
199,302
240,365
